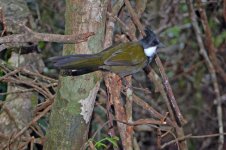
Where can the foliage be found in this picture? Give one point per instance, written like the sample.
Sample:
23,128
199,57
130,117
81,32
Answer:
103,143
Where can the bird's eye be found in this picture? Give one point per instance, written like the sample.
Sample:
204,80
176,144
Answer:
155,42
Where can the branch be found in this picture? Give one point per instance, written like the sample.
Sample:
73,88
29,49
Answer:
32,36
209,42
135,17
213,58
189,136
26,127
172,101
143,122
47,37
152,111
224,11
209,64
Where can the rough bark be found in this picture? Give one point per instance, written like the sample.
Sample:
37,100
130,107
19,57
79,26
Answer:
72,110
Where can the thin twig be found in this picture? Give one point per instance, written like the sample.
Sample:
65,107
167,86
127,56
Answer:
134,17
29,124
142,122
190,136
175,140
153,112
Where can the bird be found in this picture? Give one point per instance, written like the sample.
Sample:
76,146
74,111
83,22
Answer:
123,59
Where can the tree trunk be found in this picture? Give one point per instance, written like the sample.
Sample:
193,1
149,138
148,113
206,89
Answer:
75,98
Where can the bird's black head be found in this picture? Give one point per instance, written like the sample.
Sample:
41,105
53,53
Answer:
150,40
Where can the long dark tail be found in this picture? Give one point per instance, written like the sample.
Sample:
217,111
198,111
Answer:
76,64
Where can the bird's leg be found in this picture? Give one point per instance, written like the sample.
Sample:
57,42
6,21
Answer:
151,58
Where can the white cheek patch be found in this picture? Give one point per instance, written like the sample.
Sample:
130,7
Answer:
150,51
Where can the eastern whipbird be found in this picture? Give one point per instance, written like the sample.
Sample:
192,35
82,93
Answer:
123,59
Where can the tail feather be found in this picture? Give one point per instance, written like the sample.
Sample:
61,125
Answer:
61,61
69,72
76,62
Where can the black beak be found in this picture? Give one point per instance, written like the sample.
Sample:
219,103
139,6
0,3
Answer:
161,45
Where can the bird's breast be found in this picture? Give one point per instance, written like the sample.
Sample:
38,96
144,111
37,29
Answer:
150,52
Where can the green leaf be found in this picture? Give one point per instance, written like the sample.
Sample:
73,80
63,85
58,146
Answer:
113,141
41,44
174,31
100,145
218,40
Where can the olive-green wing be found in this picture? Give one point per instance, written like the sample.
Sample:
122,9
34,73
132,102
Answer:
126,54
